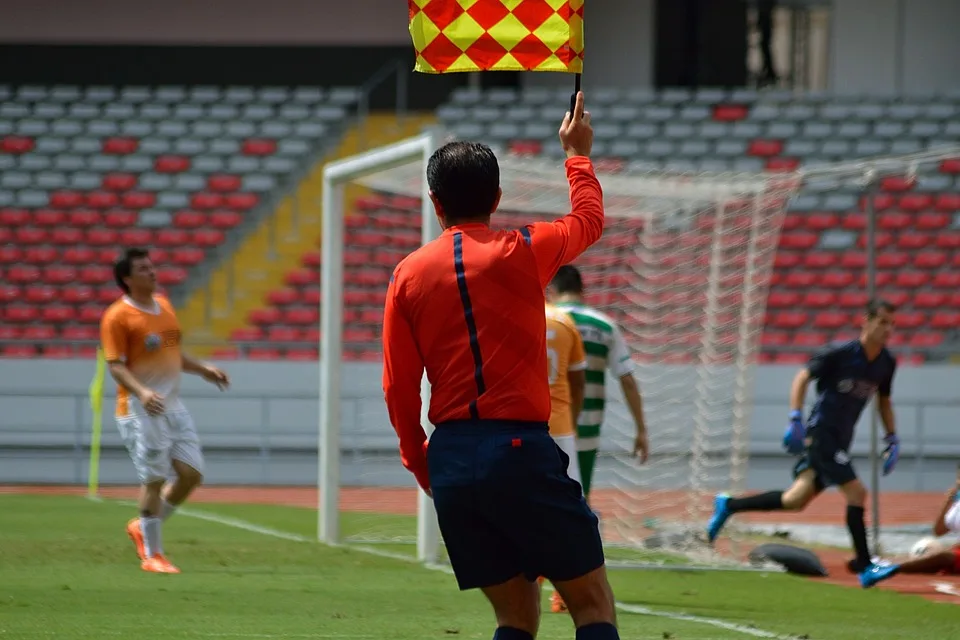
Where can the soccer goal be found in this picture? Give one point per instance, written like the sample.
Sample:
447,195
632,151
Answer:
684,267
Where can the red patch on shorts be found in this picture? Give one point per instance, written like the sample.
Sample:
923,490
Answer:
516,442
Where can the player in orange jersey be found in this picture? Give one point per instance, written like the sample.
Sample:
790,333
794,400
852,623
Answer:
567,371
141,337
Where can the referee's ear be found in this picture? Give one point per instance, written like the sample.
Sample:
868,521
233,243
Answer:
496,202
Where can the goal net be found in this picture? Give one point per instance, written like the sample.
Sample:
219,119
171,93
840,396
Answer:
683,268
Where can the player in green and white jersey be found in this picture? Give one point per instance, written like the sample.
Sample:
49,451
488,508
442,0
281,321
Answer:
606,349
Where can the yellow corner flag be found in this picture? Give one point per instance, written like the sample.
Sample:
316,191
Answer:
497,35
96,406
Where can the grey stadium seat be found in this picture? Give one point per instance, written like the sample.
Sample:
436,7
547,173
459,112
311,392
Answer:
50,180
154,218
294,112
694,113
506,131
15,180
223,147
852,129
32,198
85,180
451,113
7,161
258,183
710,95
536,131
624,113
868,111
172,128
34,161
889,129
745,130
307,95
694,148
713,130
748,165
85,145
173,200
102,127
782,130
155,145
136,128
206,129
239,95
607,131
187,111
189,146
82,111
940,111
658,149
135,95
49,110
764,111
715,165
640,96
243,164
728,148
678,130
119,111
840,202
798,112
7,198
170,94
32,127
309,130
257,112
104,162
816,130
14,110
658,113
155,112
837,239
279,165
625,148
63,93
835,148
31,93
272,129
99,94
189,182
209,164
520,113
223,112
903,112
67,127
674,96
905,145
924,129
204,94
343,95
7,127
869,148
239,129
69,162
155,181
136,163
273,95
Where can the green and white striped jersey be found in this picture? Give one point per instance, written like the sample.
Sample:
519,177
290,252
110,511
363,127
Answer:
606,349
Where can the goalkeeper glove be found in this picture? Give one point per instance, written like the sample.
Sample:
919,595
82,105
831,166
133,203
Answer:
795,433
891,454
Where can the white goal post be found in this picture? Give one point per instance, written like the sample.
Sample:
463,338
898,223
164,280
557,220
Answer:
684,268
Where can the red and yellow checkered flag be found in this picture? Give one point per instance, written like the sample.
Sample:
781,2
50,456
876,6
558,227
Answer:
497,35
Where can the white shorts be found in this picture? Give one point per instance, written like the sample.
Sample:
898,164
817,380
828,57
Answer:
569,446
952,517
155,441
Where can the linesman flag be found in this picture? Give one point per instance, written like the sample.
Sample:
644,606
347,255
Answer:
497,35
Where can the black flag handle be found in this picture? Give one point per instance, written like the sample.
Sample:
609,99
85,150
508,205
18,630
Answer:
573,98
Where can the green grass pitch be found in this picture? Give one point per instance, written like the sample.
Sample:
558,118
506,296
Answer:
68,571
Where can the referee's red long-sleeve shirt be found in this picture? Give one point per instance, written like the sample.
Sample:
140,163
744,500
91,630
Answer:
468,308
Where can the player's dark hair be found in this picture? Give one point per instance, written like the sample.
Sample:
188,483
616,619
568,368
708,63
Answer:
124,265
465,178
568,280
875,306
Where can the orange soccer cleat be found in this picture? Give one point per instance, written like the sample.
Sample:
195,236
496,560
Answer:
133,530
557,605
158,564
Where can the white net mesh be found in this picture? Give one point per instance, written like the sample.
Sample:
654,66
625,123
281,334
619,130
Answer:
683,268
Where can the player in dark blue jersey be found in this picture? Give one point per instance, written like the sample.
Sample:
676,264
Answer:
847,375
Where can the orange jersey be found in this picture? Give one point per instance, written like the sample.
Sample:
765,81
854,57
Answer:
148,342
468,308
565,353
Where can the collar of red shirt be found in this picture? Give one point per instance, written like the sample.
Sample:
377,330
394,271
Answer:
466,226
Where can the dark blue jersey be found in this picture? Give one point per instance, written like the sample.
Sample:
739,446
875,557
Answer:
845,383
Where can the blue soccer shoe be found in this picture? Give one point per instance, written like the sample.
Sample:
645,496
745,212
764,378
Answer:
720,515
877,573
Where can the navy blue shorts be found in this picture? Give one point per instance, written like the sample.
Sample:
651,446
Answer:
506,505
830,462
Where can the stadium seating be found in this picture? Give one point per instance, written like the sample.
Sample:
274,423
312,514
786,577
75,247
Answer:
84,171
817,289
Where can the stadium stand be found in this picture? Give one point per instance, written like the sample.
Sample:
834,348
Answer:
181,169
186,171
817,290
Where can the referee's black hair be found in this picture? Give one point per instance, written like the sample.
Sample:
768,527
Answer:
875,306
124,265
465,178
568,280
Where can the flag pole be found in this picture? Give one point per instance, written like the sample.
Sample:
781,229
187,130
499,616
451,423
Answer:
576,90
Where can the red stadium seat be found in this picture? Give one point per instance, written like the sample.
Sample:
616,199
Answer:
259,147
21,313
266,316
172,237
910,319
107,256
882,240
102,237
786,260
946,280
795,240
946,320
819,299
854,222
730,112
139,199
931,221
775,339
925,340
310,295
40,293
822,221
96,274
16,144
41,255
39,332
120,146
789,319
171,276
120,218
301,315
311,334
9,293
226,353
66,199
241,201
765,148
23,274
30,235
912,241
79,294
208,237
951,165
91,313
809,339
793,221
820,260
58,352
80,332
947,202
206,201
225,219
49,218
58,313
102,199
916,201
171,164
526,147
14,217
187,256
119,181
263,353
853,260
892,260
911,279
831,320
59,274
23,351
283,334
283,297
135,237
947,240
300,277
775,165
189,219
8,332
247,334
929,300
837,279
897,183
300,355
10,254
223,183
84,218
930,260
894,220
311,259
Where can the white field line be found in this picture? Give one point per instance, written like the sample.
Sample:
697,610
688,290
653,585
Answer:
625,607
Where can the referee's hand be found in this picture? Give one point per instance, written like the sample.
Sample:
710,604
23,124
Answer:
576,136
